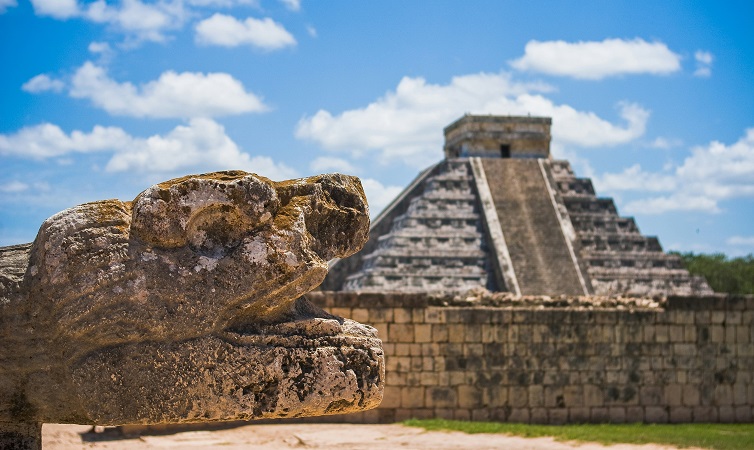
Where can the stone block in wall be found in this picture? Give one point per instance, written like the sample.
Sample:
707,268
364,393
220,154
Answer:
360,315
743,335
489,333
519,415
462,414
656,414
435,315
673,395
558,416
577,415
444,413
458,315
599,415
398,363
726,414
744,413
422,333
402,315
392,397
573,396
634,414
690,395
539,416
414,379
518,396
680,414
474,350
402,414
723,395
412,397
422,413
395,378
495,396
650,395
675,333
703,317
739,393
384,315
401,332
617,414
456,332
730,334
473,333
500,317
402,349
704,414
440,333
456,377
430,379
431,349
382,331
536,396
480,415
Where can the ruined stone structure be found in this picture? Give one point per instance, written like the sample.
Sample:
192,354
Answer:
499,213
185,306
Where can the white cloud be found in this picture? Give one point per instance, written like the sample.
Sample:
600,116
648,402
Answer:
404,124
744,241
5,4
13,187
329,164
222,3
59,9
227,31
665,143
708,176
103,50
311,30
635,179
703,57
293,5
379,195
42,83
47,140
595,60
201,145
139,21
183,95
703,63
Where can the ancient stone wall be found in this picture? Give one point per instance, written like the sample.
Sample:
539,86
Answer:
685,360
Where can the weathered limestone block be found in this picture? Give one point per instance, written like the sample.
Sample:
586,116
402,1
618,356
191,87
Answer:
185,305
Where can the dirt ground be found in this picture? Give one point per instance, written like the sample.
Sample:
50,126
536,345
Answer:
303,436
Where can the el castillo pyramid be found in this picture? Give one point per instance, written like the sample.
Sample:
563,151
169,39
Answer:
499,213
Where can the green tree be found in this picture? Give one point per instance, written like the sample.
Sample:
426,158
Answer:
735,276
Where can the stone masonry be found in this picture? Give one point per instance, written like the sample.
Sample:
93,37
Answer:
499,213
565,360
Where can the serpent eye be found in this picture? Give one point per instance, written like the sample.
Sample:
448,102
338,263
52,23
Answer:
216,228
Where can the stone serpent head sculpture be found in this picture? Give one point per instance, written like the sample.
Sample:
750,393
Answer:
185,305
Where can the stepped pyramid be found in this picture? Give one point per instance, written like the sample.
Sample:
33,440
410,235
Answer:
499,213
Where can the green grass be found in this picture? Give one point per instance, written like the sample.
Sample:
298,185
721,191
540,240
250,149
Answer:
705,435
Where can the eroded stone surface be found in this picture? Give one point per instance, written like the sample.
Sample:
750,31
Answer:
185,305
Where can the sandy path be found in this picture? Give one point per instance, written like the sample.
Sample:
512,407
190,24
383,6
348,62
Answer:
303,436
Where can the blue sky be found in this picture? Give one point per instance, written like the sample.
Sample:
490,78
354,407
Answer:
653,100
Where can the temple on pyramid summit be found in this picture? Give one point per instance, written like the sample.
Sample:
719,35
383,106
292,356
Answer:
499,213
